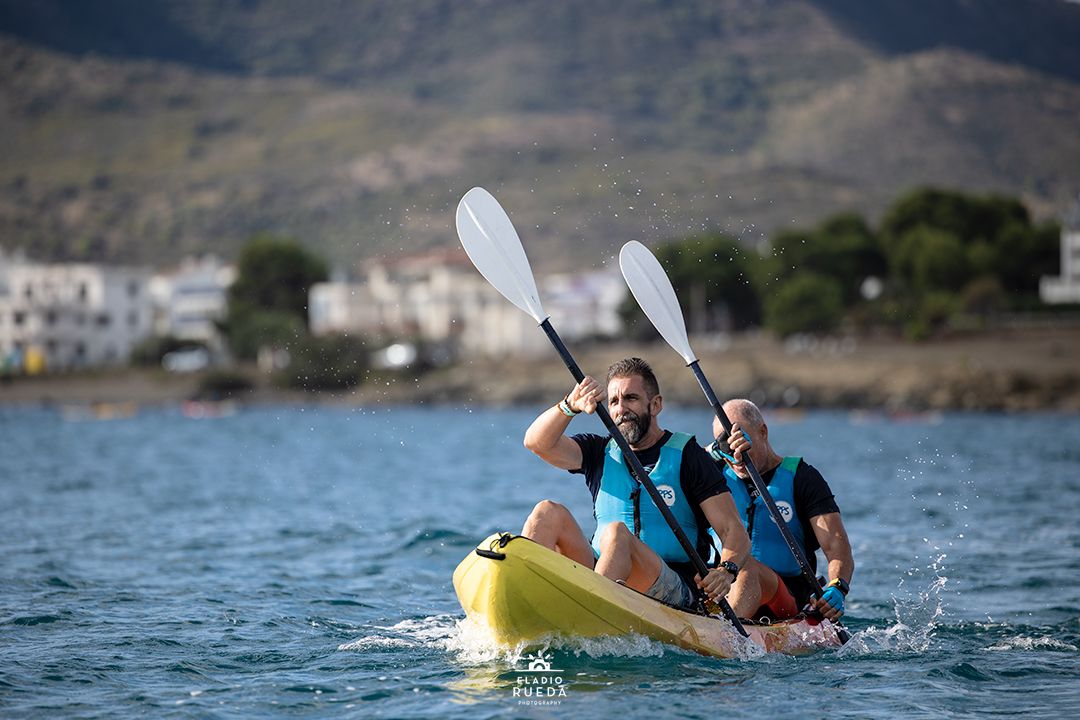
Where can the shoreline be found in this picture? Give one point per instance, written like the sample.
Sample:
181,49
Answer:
1005,370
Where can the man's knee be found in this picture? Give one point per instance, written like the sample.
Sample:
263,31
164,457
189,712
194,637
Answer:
549,509
614,534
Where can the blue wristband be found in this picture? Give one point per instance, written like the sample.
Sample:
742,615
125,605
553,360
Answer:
834,597
719,454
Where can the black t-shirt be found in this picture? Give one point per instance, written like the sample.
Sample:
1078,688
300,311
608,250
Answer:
813,497
699,477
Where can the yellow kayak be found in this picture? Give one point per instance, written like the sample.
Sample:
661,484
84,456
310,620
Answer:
523,592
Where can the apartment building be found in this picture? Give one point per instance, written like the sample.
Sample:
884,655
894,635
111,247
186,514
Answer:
190,300
440,297
72,315
1065,288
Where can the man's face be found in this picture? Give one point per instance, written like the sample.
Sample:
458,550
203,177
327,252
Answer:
631,407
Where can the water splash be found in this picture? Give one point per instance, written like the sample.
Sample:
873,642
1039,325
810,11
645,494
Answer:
472,643
917,619
1032,643
411,633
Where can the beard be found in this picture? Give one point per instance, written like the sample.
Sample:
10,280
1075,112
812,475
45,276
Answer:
634,426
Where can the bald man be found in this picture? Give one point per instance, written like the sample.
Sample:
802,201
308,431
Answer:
807,505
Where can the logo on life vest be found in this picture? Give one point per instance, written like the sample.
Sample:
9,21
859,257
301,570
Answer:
785,511
668,493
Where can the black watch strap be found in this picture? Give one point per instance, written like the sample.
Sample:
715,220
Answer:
731,568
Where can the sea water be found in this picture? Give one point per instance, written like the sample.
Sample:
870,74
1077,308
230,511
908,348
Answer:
298,561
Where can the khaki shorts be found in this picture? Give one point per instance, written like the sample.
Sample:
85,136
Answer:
671,589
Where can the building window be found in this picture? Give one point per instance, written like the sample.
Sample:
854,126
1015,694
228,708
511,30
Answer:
133,318
28,292
19,317
80,351
50,318
103,320
133,289
83,292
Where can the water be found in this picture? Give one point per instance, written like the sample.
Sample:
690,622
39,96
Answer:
297,562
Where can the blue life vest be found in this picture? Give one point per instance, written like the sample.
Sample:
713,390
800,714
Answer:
614,502
766,543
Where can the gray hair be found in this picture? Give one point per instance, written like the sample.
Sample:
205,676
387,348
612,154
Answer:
746,411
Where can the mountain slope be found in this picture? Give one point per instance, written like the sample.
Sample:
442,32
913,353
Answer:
141,131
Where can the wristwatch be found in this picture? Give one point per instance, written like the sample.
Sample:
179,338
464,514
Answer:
731,568
840,584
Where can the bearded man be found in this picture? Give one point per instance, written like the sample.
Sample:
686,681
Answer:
633,544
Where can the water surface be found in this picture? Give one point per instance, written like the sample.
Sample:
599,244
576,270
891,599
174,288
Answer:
298,562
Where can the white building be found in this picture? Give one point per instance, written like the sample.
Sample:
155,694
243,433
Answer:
73,315
1065,288
189,300
440,297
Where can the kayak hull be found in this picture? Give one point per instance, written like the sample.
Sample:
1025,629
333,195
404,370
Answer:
524,592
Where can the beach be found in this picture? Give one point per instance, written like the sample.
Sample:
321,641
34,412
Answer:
1006,370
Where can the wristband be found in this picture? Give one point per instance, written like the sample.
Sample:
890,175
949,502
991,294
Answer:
720,450
840,584
731,568
564,407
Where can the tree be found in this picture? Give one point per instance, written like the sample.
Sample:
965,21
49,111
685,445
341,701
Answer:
842,247
275,274
808,302
268,301
928,259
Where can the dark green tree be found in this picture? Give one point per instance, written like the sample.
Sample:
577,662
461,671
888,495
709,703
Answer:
808,302
268,300
993,233
929,259
842,247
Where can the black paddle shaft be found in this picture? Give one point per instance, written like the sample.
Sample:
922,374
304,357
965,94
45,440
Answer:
639,474
763,491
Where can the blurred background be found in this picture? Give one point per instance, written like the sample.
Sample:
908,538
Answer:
860,204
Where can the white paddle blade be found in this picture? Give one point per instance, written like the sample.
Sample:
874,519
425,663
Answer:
495,249
652,289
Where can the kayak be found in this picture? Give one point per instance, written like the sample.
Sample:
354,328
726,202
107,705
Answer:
524,592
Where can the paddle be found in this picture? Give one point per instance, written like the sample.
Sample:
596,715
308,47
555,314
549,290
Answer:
652,289
493,245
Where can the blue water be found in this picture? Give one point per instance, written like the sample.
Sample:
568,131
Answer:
297,562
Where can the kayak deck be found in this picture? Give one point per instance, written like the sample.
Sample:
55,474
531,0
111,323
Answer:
523,592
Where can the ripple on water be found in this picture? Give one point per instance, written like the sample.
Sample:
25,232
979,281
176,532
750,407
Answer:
29,620
440,537
968,671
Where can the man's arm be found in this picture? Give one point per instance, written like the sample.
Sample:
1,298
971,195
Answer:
547,438
724,518
831,535
547,435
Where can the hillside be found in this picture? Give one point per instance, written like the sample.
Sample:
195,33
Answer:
138,132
